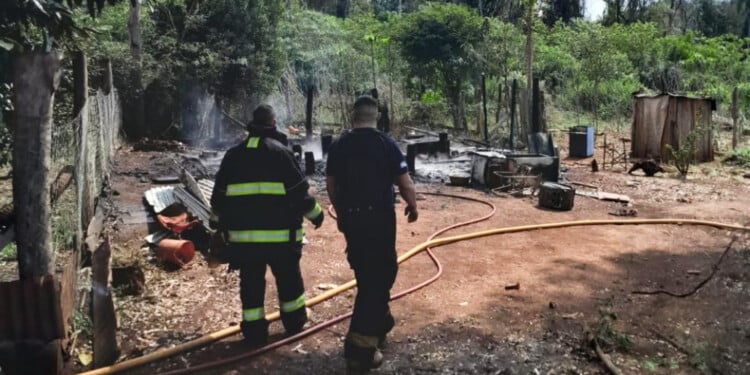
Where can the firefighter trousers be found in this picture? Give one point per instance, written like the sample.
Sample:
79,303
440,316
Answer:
371,252
284,264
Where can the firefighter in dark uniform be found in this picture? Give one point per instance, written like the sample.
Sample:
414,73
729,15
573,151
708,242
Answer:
260,198
363,165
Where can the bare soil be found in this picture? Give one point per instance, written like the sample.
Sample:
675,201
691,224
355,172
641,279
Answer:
572,281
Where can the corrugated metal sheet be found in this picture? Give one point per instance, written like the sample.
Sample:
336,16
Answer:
160,197
31,310
207,188
663,120
193,205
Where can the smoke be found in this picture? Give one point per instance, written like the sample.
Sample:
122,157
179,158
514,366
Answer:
198,109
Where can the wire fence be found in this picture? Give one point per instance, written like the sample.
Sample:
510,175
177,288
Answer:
86,146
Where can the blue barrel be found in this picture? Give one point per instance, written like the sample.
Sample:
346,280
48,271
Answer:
581,141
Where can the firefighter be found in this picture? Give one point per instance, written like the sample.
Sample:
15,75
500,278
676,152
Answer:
259,199
363,164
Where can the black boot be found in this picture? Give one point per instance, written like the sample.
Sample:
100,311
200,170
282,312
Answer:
389,324
255,333
361,353
294,321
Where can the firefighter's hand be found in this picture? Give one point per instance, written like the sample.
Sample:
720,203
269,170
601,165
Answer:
412,213
318,221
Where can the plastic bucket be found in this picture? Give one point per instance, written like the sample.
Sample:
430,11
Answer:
175,252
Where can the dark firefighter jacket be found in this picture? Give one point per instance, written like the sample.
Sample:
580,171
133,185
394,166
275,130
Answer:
260,194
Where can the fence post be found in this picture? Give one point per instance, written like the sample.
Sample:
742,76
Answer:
80,82
108,80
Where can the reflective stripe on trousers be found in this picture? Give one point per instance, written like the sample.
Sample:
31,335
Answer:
264,236
251,315
293,305
314,212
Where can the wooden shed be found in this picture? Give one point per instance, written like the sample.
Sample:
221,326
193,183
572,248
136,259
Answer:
667,119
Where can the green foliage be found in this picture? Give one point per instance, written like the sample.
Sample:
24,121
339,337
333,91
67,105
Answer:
26,24
436,42
684,155
6,138
739,156
8,253
605,335
430,97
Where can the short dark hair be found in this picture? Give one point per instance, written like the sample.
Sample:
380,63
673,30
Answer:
365,109
263,115
365,101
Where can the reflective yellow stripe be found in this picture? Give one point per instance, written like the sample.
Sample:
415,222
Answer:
250,315
312,214
252,142
256,188
294,305
263,236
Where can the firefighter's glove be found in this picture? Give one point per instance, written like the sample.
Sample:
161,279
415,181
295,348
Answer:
318,220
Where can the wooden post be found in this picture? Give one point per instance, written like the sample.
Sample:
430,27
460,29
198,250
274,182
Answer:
484,107
736,135
35,77
309,111
80,82
108,80
536,120
512,112
106,348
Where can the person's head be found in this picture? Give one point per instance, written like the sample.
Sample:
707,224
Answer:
263,116
365,112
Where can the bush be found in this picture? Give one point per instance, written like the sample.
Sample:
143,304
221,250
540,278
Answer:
739,156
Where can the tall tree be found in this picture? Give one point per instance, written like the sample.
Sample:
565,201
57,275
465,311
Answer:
529,30
137,126
562,10
436,41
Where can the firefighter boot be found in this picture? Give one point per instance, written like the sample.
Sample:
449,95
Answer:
255,333
361,353
294,321
389,324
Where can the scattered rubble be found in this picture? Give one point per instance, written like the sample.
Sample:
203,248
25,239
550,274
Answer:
147,144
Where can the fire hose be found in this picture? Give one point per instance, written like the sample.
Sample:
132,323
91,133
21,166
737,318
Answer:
425,246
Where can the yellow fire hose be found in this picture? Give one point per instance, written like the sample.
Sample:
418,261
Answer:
230,331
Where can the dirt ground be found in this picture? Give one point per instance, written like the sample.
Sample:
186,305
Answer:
572,282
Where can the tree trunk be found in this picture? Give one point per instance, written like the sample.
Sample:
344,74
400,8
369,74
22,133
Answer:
500,88
529,57
484,107
35,77
80,82
512,126
342,8
309,111
735,123
138,127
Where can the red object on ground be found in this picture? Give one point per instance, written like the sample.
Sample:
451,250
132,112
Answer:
175,252
176,224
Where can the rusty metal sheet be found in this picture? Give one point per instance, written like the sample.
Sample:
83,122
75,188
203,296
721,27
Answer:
31,310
